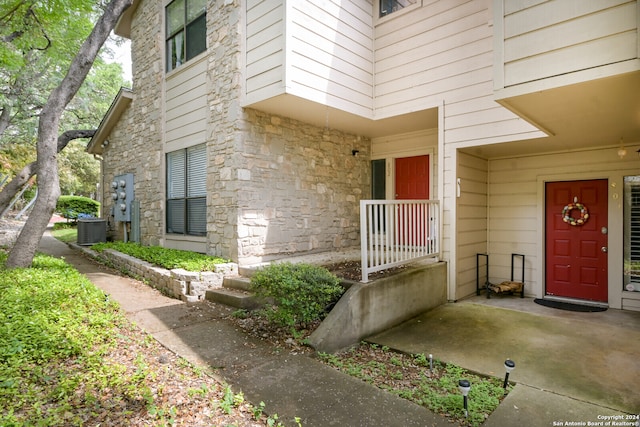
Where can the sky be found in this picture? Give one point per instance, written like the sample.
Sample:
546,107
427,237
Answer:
122,54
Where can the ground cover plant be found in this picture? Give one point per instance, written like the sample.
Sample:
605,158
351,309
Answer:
164,257
429,383
69,356
298,294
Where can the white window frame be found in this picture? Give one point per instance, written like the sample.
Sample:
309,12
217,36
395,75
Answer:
184,30
392,15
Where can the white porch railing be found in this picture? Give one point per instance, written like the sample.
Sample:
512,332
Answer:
396,232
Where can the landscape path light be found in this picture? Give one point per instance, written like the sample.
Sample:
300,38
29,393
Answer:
465,386
509,365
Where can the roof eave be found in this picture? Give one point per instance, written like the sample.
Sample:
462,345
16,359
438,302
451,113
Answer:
119,104
123,26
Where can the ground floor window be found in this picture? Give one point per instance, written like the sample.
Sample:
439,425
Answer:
186,191
632,233
378,179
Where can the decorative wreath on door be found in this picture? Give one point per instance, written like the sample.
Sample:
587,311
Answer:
566,214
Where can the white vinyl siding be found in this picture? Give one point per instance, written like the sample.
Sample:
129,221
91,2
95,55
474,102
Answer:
441,50
265,59
186,106
472,219
545,39
319,53
330,52
331,55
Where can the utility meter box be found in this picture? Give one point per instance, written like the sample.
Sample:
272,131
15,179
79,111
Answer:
122,195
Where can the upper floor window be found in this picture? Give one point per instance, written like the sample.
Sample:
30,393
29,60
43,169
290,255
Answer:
389,6
186,31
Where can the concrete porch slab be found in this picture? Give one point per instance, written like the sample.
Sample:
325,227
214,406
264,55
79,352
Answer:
591,358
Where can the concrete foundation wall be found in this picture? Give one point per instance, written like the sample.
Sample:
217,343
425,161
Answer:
366,309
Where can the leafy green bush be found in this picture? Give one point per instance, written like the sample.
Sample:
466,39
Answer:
164,257
301,293
74,207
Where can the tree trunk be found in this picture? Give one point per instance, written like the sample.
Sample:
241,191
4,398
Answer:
5,118
24,250
20,180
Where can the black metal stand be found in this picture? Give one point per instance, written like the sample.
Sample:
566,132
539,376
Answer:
486,282
486,285
513,256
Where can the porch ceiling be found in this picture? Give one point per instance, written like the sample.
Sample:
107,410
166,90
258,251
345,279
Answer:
322,116
596,113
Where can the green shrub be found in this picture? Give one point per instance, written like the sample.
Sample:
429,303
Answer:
301,293
74,207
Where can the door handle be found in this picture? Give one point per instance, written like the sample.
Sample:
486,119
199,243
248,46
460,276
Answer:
604,249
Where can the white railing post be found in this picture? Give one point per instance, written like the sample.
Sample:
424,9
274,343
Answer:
396,232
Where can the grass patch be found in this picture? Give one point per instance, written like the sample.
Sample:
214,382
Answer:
164,257
411,377
65,232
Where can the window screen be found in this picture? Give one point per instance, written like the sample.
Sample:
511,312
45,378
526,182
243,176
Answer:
186,191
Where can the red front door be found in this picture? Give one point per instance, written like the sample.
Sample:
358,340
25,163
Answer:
412,183
412,178
576,239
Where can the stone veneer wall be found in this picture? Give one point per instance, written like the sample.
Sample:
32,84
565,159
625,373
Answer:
224,32
135,143
301,188
275,186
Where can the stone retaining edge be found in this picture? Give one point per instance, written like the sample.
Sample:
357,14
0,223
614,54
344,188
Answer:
189,286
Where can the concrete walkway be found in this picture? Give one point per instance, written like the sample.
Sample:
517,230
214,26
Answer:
570,367
296,385
290,385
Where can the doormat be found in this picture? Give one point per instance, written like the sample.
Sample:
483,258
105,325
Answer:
569,306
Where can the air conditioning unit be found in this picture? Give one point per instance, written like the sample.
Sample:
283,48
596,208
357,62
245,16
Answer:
91,231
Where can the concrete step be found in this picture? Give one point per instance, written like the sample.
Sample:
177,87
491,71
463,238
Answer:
238,282
247,271
233,298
